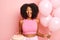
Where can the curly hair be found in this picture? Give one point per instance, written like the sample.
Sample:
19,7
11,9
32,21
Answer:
34,8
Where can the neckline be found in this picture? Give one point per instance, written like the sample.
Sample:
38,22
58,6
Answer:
29,19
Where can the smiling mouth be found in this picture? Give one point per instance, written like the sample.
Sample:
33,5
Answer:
29,14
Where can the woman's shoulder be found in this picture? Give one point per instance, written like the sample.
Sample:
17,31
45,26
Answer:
37,20
21,20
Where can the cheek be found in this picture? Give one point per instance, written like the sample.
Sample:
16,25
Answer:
27,12
30,11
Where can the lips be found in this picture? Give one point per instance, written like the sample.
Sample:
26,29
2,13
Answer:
29,14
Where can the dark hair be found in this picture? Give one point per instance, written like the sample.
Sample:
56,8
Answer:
34,8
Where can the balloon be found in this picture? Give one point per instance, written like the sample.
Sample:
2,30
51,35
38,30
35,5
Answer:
55,35
45,7
54,24
45,20
56,12
55,3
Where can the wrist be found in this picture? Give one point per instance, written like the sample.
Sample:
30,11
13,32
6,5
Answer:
47,35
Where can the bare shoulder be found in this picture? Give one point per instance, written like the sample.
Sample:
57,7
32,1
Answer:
21,21
37,20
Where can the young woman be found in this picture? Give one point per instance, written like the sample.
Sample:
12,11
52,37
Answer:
29,25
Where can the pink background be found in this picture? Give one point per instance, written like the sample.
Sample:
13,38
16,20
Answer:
9,19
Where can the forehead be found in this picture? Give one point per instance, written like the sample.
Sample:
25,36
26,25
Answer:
28,7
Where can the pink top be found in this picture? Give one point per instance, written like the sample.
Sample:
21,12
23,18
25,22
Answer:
29,26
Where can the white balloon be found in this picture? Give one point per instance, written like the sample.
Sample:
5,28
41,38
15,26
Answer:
54,24
45,20
55,3
56,12
45,7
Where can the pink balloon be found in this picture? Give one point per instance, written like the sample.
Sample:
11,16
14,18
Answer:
55,3
45,20
56,12
54,24
45,7
55,35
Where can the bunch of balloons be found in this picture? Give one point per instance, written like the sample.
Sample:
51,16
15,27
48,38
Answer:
50,14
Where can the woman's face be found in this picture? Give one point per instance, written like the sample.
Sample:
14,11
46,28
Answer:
29,12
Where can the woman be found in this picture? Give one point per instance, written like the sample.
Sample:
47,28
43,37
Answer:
29,25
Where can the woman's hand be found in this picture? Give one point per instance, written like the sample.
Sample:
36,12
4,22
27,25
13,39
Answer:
40,35
47,35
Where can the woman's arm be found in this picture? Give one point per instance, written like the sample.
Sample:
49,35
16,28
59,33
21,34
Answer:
20,26
40,34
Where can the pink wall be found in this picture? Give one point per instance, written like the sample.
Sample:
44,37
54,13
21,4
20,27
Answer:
9,18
